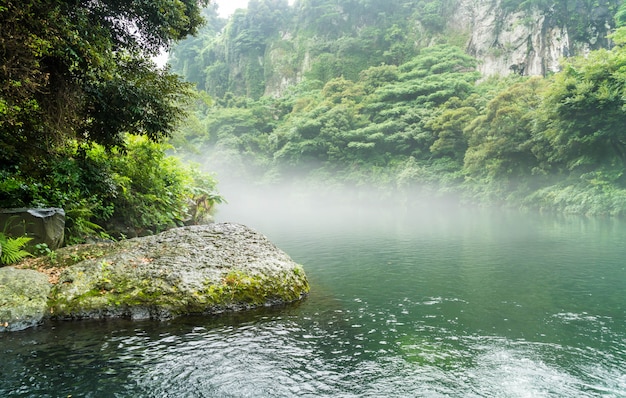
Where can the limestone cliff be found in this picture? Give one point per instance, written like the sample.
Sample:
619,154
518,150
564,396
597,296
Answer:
273,45
527,42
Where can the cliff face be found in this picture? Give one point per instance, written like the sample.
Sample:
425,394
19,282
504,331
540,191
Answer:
273,45
507,43
528,43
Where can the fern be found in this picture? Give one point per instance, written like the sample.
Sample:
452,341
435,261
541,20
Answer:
12,249
77,222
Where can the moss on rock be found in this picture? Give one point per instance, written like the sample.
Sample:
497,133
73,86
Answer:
190,270
23,298
205,269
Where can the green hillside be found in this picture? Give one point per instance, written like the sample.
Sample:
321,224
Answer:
368,92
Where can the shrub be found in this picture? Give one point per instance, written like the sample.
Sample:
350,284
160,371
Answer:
12,249
108,192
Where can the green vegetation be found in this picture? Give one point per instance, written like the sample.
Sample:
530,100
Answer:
348,92
85,112
12,249
116,192
401,107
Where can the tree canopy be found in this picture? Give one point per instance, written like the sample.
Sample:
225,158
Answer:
82,70
84,113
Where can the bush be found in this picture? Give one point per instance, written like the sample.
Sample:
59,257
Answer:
140,190
153,191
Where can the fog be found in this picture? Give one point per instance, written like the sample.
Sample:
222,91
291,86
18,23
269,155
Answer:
295,207
258,196
226,8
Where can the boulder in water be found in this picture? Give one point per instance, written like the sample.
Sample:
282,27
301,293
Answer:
203,269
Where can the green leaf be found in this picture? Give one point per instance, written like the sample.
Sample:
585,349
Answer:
12,249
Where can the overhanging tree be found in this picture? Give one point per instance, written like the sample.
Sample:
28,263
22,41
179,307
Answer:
81,71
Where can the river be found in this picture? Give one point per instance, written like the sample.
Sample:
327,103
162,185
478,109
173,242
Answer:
426,301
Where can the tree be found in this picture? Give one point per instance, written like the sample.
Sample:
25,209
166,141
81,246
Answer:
500,140
81,70
583,114
448,126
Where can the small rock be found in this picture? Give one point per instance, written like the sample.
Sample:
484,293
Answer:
45,225
23,298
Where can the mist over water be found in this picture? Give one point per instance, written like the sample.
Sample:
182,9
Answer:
492,302
408,299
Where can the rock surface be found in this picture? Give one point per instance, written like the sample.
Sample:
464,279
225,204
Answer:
44,225
516,42
23,298
204,269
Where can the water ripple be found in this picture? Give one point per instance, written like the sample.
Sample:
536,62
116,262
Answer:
418,306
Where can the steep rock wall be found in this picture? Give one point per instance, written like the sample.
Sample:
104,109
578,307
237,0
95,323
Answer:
266,52
522,42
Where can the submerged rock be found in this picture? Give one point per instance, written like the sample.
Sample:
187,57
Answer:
23,298
200,269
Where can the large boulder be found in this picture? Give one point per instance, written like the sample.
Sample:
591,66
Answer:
23,298
46,225
198,269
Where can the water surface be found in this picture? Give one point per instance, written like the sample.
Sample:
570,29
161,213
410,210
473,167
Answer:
430,301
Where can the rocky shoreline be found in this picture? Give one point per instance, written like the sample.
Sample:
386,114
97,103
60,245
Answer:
205,269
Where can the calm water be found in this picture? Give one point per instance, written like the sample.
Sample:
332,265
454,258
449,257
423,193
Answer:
428,302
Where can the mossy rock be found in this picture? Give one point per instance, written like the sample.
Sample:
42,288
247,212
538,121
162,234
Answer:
191,270
23,298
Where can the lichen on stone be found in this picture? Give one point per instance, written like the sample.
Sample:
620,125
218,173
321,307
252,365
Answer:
23,298
190,270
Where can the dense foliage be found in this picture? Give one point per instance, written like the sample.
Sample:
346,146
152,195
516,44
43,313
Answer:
119,193
82,70
12,249
418,120
271,45
76,77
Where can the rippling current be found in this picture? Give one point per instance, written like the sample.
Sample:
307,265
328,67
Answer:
429,302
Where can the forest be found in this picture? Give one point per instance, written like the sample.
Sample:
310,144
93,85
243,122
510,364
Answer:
388,97
86,114
320,93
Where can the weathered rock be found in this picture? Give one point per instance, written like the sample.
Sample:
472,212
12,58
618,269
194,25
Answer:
525,43
23,298
43,225
198,269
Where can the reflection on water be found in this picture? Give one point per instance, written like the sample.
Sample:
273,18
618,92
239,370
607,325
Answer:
427,303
